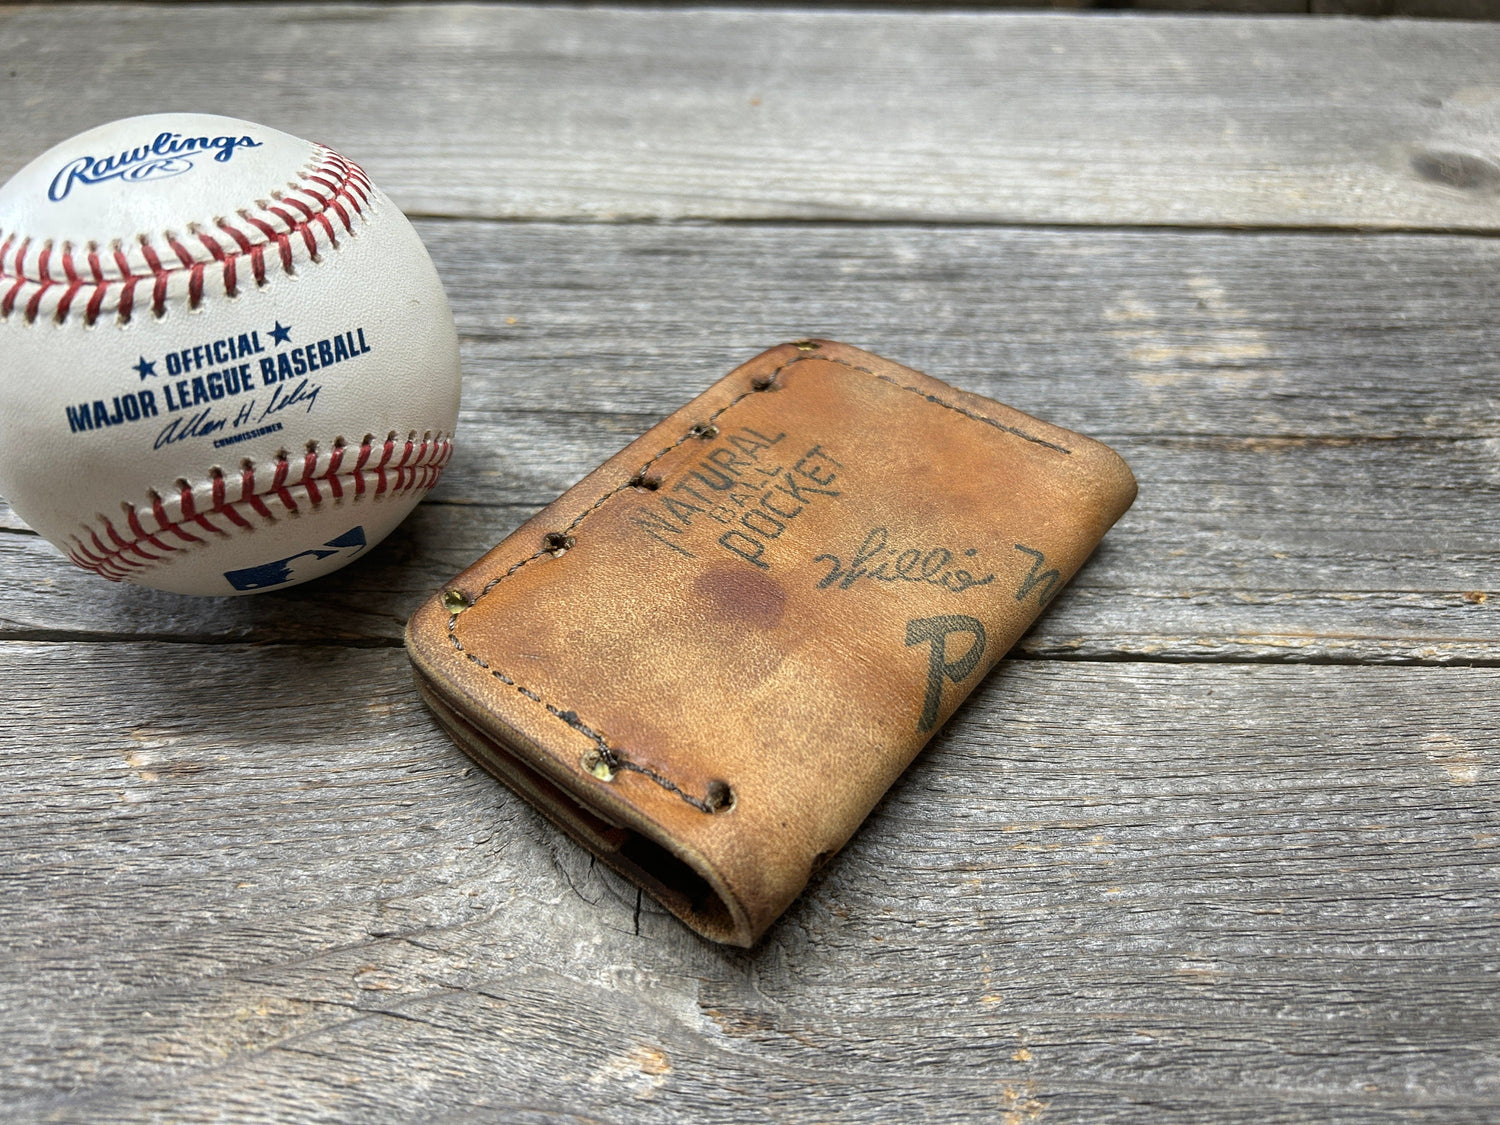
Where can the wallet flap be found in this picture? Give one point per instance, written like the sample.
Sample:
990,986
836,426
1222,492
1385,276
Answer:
711,657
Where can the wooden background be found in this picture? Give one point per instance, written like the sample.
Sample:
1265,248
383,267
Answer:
1219,843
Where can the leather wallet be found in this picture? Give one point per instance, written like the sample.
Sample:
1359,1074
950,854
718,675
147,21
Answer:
708,659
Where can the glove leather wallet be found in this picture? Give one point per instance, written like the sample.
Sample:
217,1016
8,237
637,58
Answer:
708,659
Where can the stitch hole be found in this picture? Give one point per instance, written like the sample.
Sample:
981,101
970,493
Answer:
594,763
720,797
763,382
641,480
312,446
704,430
557,542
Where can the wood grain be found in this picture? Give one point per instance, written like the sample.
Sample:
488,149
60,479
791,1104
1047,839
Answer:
504,111
1311,417
1218,845
298,901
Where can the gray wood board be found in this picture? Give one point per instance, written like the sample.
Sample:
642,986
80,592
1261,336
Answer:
509,111
258,882
1313,419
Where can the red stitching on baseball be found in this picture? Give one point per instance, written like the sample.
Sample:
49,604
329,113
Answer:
184,255
347,183
238,235
159,510
67,299
117,561
36,300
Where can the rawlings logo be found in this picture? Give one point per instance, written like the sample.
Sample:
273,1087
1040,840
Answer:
171,154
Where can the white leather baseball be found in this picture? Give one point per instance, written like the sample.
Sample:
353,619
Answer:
228,361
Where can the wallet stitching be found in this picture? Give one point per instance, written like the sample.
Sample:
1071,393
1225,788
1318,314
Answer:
610,756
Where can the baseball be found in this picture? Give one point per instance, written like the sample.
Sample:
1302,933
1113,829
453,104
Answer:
229,363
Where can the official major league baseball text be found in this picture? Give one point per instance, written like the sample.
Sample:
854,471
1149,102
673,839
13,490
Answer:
232,364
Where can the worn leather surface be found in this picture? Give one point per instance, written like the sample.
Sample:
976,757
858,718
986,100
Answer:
709,658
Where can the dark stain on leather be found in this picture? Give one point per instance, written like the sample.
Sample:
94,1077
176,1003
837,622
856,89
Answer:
741,596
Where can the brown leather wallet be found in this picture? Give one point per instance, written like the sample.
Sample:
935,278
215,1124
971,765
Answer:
708,659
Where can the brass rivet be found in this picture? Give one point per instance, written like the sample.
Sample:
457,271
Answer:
594,762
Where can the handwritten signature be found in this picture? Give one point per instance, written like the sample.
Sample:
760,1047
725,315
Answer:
879,561
180,429
305,391
201,424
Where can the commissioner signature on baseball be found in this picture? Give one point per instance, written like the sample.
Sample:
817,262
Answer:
202,425
305,391
180,429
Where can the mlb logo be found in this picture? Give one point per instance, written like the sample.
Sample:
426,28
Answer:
303,565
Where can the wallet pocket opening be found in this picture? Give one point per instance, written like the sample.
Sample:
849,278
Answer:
645,862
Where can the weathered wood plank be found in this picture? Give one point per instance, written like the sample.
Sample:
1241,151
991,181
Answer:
261,883
508,111
246,877
1312,418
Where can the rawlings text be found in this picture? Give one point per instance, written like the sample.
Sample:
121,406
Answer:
171,154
